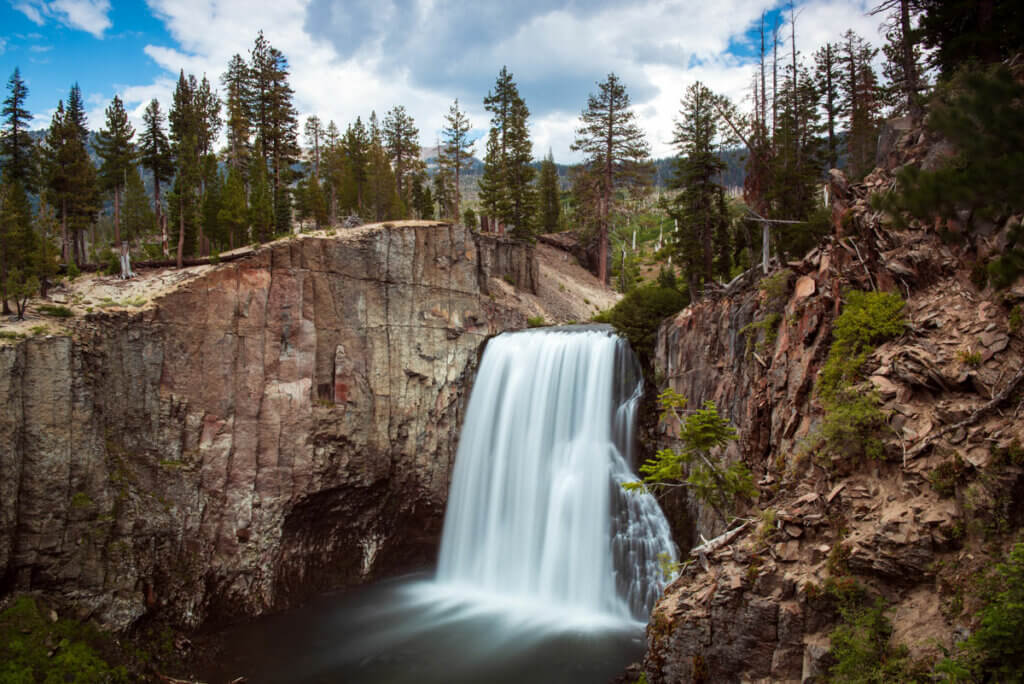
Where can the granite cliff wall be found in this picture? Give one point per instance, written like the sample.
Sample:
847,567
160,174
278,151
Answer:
277,426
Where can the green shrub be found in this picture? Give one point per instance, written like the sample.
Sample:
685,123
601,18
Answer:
33,649
638,315
868,319
1015,319
969,357
55,310
767,329
995,651
854,424
776,286
861,648
111,261
945,477
73,271
535,321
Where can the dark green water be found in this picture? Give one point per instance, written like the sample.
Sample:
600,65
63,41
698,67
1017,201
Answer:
415,631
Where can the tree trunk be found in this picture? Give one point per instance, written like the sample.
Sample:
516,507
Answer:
910,85
117,216
181,231
65,251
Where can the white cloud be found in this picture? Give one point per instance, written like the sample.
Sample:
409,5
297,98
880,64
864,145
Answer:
90,16
3,45
348,58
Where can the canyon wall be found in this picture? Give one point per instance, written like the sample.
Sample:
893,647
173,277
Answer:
755,605
277,426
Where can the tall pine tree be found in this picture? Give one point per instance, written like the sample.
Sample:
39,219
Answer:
155,157
17,156
506,189
614,145
550,197
457,151
115,147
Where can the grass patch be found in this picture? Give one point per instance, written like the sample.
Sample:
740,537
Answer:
536,321
54,310
765,331
969,357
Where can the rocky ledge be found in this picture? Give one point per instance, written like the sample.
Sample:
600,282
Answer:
272,427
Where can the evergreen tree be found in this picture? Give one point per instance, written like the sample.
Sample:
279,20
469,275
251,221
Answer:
402,142
138,216
71,177
827,77
261,203
698,209
314,137
234,211
115,147
384,202
237,98
184,124
213,189
275,122
550,197
422,200
961,31
860,93
613,143
334,164
16,148
457,152
444,192
356,148
155,157
506,189
18,248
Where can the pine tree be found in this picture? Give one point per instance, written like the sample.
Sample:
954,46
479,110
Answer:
16,148
457,151
71,177
18,248
115,147
827,79
261,203
314,137
138,216
402,142
237,98
506,190
213,189
184,124
384,202
234,211
275,122
612,142
155,157
961,31
356,149
550,197
334,164
422,199
697,209
859,88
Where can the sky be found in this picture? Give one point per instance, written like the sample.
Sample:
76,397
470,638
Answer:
348,57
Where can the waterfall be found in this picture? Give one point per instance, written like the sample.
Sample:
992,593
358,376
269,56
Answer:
536,513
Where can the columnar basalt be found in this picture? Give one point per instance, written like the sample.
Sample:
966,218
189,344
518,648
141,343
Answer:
282,424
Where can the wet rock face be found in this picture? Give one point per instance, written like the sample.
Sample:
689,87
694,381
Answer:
280,425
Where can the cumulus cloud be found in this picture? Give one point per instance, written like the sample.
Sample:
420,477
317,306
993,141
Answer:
90,16
348,57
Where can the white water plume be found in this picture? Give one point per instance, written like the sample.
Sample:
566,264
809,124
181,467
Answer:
536,513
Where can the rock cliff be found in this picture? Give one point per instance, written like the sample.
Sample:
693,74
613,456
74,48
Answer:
911,527
267,428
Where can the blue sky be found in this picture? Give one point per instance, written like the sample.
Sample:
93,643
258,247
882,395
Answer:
353,56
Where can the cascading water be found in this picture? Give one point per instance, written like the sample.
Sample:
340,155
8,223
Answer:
536,511
548,569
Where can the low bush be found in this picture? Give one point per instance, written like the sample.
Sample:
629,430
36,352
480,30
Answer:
868,319
638,315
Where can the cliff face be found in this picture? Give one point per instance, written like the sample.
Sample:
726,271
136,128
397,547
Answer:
276,426
751,606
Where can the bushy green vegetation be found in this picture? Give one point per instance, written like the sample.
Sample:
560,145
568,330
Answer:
861,645
638,315
695,466
35,649
995,651
981,112
535,321
868,319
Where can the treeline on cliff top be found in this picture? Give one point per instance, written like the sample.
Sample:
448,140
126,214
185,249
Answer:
225,166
